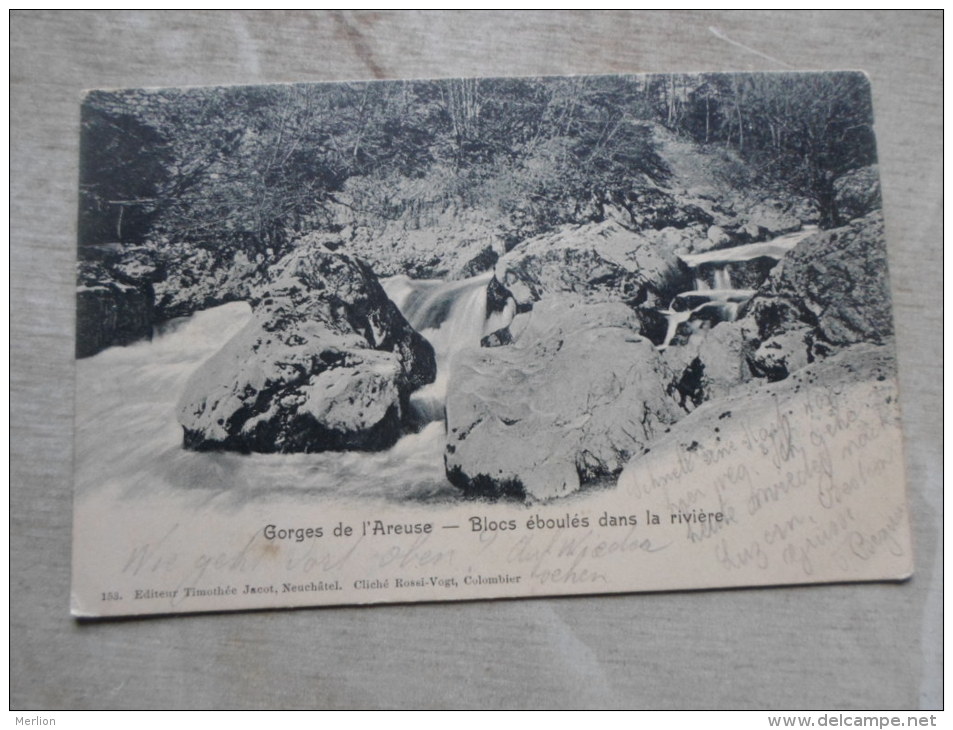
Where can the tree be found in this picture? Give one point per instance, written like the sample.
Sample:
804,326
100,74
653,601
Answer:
253,167
123,168
800,131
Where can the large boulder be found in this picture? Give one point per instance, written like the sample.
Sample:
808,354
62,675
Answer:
567,403
327,362
601,262
480,263
831,291
769,218
708,366
654,208
782,354
862,372
857,192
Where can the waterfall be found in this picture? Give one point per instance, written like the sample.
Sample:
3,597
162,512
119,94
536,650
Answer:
674,319
725,302
721,278
452,316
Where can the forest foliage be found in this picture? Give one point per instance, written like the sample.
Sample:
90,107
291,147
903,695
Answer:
254,167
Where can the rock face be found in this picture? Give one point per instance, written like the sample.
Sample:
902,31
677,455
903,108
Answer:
417,231
115,298
830,292
769,218
780,355
863,366
567,403
110,313
597,262
655,208
327,362
198,278
708,365
857,193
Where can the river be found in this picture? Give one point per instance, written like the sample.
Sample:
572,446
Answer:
129,441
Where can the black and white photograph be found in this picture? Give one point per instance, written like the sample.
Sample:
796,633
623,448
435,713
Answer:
484,360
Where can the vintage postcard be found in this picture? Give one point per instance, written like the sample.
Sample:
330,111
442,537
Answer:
464,339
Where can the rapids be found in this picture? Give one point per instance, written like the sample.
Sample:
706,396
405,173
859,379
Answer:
451,315
723,297
129,441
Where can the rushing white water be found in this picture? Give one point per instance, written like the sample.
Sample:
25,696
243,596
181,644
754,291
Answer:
129,441
128,438
727,311
726,302
722,295
775,249
718,295
674,319
721,278
451,315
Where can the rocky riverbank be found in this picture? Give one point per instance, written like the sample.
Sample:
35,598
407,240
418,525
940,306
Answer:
586,341
574,388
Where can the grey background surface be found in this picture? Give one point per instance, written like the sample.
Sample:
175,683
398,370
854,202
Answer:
874,646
